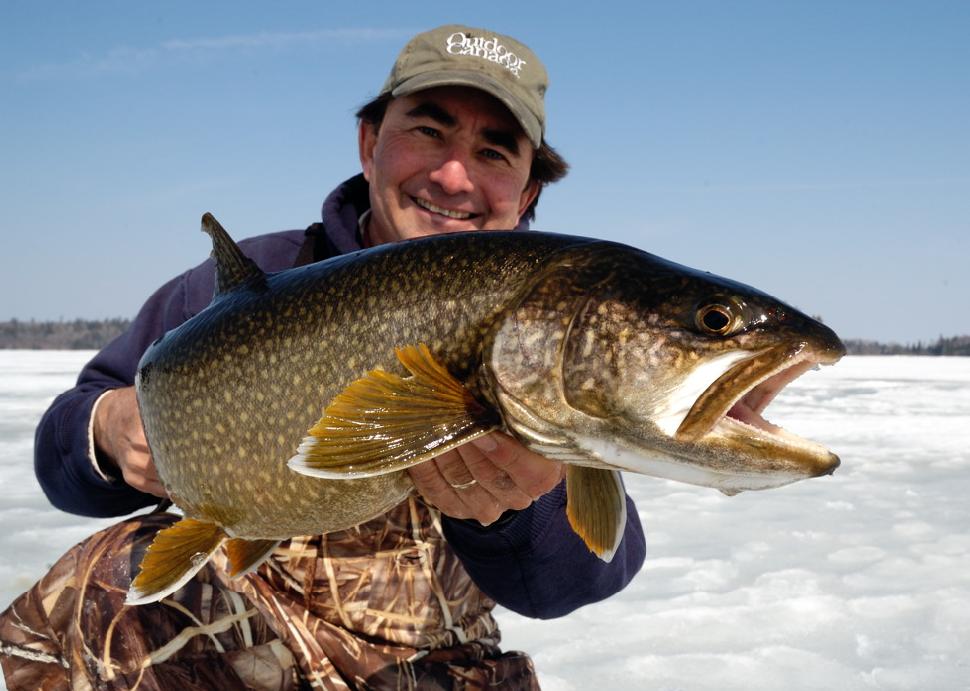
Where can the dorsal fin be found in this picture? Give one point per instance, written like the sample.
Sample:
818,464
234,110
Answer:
233,268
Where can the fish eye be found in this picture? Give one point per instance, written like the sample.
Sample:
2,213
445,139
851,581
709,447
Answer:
718,318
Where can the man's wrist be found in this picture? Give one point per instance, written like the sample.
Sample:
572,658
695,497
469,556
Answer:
100,461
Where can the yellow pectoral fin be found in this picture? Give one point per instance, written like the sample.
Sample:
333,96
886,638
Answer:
596,508
382,423
176,554
246,555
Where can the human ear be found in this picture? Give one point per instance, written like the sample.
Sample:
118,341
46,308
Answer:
366,141
528,196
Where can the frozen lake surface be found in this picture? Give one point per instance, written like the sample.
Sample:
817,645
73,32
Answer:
856,581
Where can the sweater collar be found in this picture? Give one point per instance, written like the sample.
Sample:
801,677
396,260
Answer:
341,213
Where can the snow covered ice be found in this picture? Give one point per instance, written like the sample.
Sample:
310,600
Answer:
856,581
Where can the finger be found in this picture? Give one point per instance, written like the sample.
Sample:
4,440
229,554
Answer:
433,486
493,493
140,447
138,469
444,483
138,437
533,475
454,468
156,488
143,483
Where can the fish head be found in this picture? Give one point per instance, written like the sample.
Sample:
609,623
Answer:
616,358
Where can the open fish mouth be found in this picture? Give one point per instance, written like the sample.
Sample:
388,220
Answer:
737,399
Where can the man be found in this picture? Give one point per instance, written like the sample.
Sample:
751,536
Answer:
454,142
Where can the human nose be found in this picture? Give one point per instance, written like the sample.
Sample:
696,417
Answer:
452,175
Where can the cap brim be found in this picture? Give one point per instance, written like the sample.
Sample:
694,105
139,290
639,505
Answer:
452,77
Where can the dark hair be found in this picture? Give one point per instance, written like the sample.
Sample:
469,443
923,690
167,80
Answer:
547,165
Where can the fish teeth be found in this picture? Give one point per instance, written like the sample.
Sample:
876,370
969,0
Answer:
671,413
460,215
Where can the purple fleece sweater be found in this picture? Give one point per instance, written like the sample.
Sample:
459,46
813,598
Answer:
529,561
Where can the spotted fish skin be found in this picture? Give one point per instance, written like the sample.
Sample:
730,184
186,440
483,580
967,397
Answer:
227,396
591,352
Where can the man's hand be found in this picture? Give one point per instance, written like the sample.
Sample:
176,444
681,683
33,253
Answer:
485,478
119,435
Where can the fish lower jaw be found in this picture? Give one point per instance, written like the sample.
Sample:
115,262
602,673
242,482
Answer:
660,464
763,434
761,385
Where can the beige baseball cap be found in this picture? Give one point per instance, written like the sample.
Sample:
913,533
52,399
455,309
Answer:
455,55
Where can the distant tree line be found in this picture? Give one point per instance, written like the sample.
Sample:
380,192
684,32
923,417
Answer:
92,334
78,334
954,345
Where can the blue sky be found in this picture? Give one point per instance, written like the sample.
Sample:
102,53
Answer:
816,150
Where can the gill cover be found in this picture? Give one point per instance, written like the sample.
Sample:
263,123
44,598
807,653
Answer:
534,355
544,381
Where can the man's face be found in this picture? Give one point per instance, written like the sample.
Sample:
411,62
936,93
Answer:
444,160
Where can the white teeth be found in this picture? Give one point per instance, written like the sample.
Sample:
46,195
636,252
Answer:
460,215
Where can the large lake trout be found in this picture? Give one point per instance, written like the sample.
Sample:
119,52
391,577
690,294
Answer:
294,402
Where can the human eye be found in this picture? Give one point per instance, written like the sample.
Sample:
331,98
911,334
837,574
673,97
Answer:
428,131
494,155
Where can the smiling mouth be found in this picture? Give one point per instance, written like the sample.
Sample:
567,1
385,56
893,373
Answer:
440,210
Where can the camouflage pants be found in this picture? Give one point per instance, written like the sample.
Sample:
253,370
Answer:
383,606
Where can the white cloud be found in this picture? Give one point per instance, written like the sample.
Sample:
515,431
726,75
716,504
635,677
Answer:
128,59
285,39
